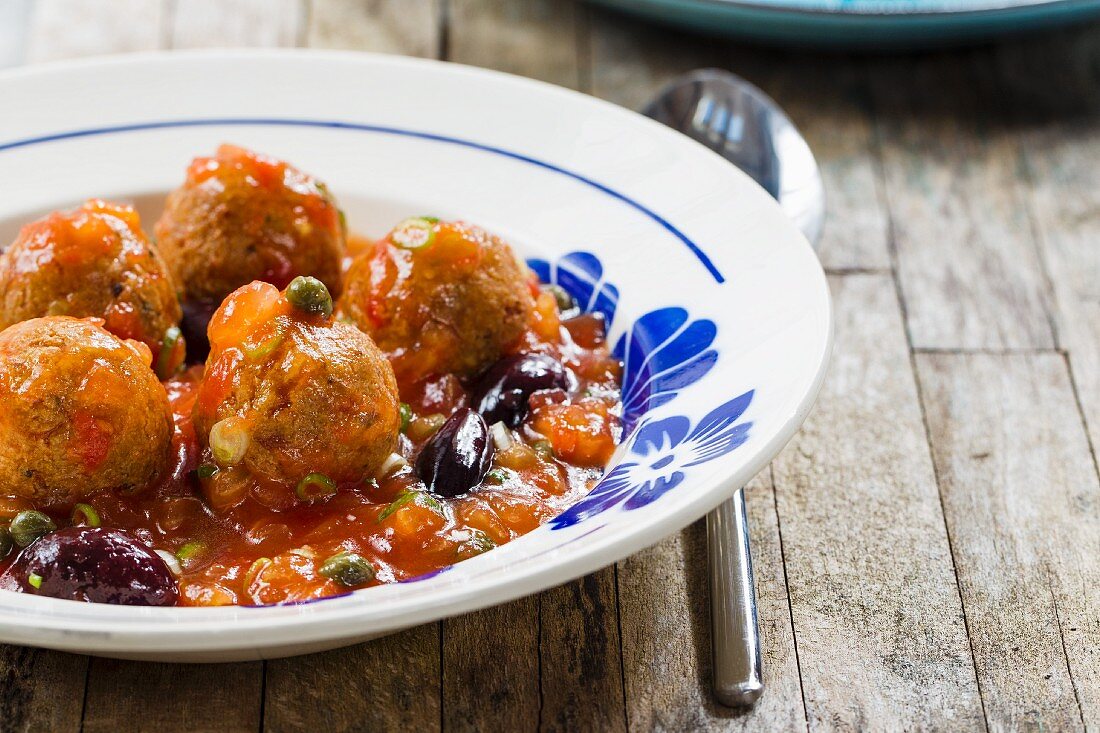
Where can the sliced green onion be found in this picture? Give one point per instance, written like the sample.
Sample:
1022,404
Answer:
254,570
310,295
35,580
394,463
260,350
348,569
229,441
29,525
429,219
406,416
415,497
167,347
206,470
414,233
171,561
86,514
189,552
315,487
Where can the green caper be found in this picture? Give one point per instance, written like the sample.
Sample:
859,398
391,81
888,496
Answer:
28,526
310,295
347,569
564,299
6,543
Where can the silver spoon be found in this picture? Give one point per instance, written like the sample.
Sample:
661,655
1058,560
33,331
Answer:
747,128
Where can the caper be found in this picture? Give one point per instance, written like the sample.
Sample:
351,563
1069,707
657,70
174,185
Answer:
347,569
564,299
6,543
310,295
28,526
406,416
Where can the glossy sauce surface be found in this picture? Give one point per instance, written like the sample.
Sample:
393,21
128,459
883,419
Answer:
252,550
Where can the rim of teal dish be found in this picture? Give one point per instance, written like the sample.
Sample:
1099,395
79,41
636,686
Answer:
887,8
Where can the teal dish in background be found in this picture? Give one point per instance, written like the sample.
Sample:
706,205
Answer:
863,23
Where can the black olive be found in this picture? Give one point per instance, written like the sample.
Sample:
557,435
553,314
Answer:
458,456
92,564
501,394
196,317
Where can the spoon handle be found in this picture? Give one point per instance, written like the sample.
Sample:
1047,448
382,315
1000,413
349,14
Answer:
737,667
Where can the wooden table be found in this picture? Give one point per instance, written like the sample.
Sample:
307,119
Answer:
928,547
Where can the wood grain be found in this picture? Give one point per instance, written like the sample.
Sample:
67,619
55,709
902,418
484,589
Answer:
159,697
41,690
664,592
408,27
389,684
967,260
1023,506
216,23
535,38
491,669
876,607
62,29
580,656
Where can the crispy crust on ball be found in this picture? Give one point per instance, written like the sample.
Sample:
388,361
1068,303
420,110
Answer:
80,412
118,276
433,315
324,401
223,231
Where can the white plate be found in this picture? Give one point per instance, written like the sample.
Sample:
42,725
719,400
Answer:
724,306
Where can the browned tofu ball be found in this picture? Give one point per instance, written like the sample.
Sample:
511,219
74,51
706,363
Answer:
439,297
80,412
94,261
240,216
290,399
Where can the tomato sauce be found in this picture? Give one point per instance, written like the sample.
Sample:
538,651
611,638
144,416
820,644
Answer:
245,552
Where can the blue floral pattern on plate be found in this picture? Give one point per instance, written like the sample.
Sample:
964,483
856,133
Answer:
663,352
661,453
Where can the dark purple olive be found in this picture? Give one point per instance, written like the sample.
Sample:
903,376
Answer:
458,456
501,394
97,565
196,317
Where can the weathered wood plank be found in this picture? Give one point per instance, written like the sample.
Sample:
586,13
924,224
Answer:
876,606
535,38
408,27
41,690
491,668
825,97
967,261
158,698
664,592
580,668
388,684
62,29
1022,502
216,23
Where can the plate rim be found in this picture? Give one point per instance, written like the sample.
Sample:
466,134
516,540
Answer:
339,622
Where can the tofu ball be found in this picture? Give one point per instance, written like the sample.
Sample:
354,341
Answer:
292,404
439,297
241,216
81,412
94,261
